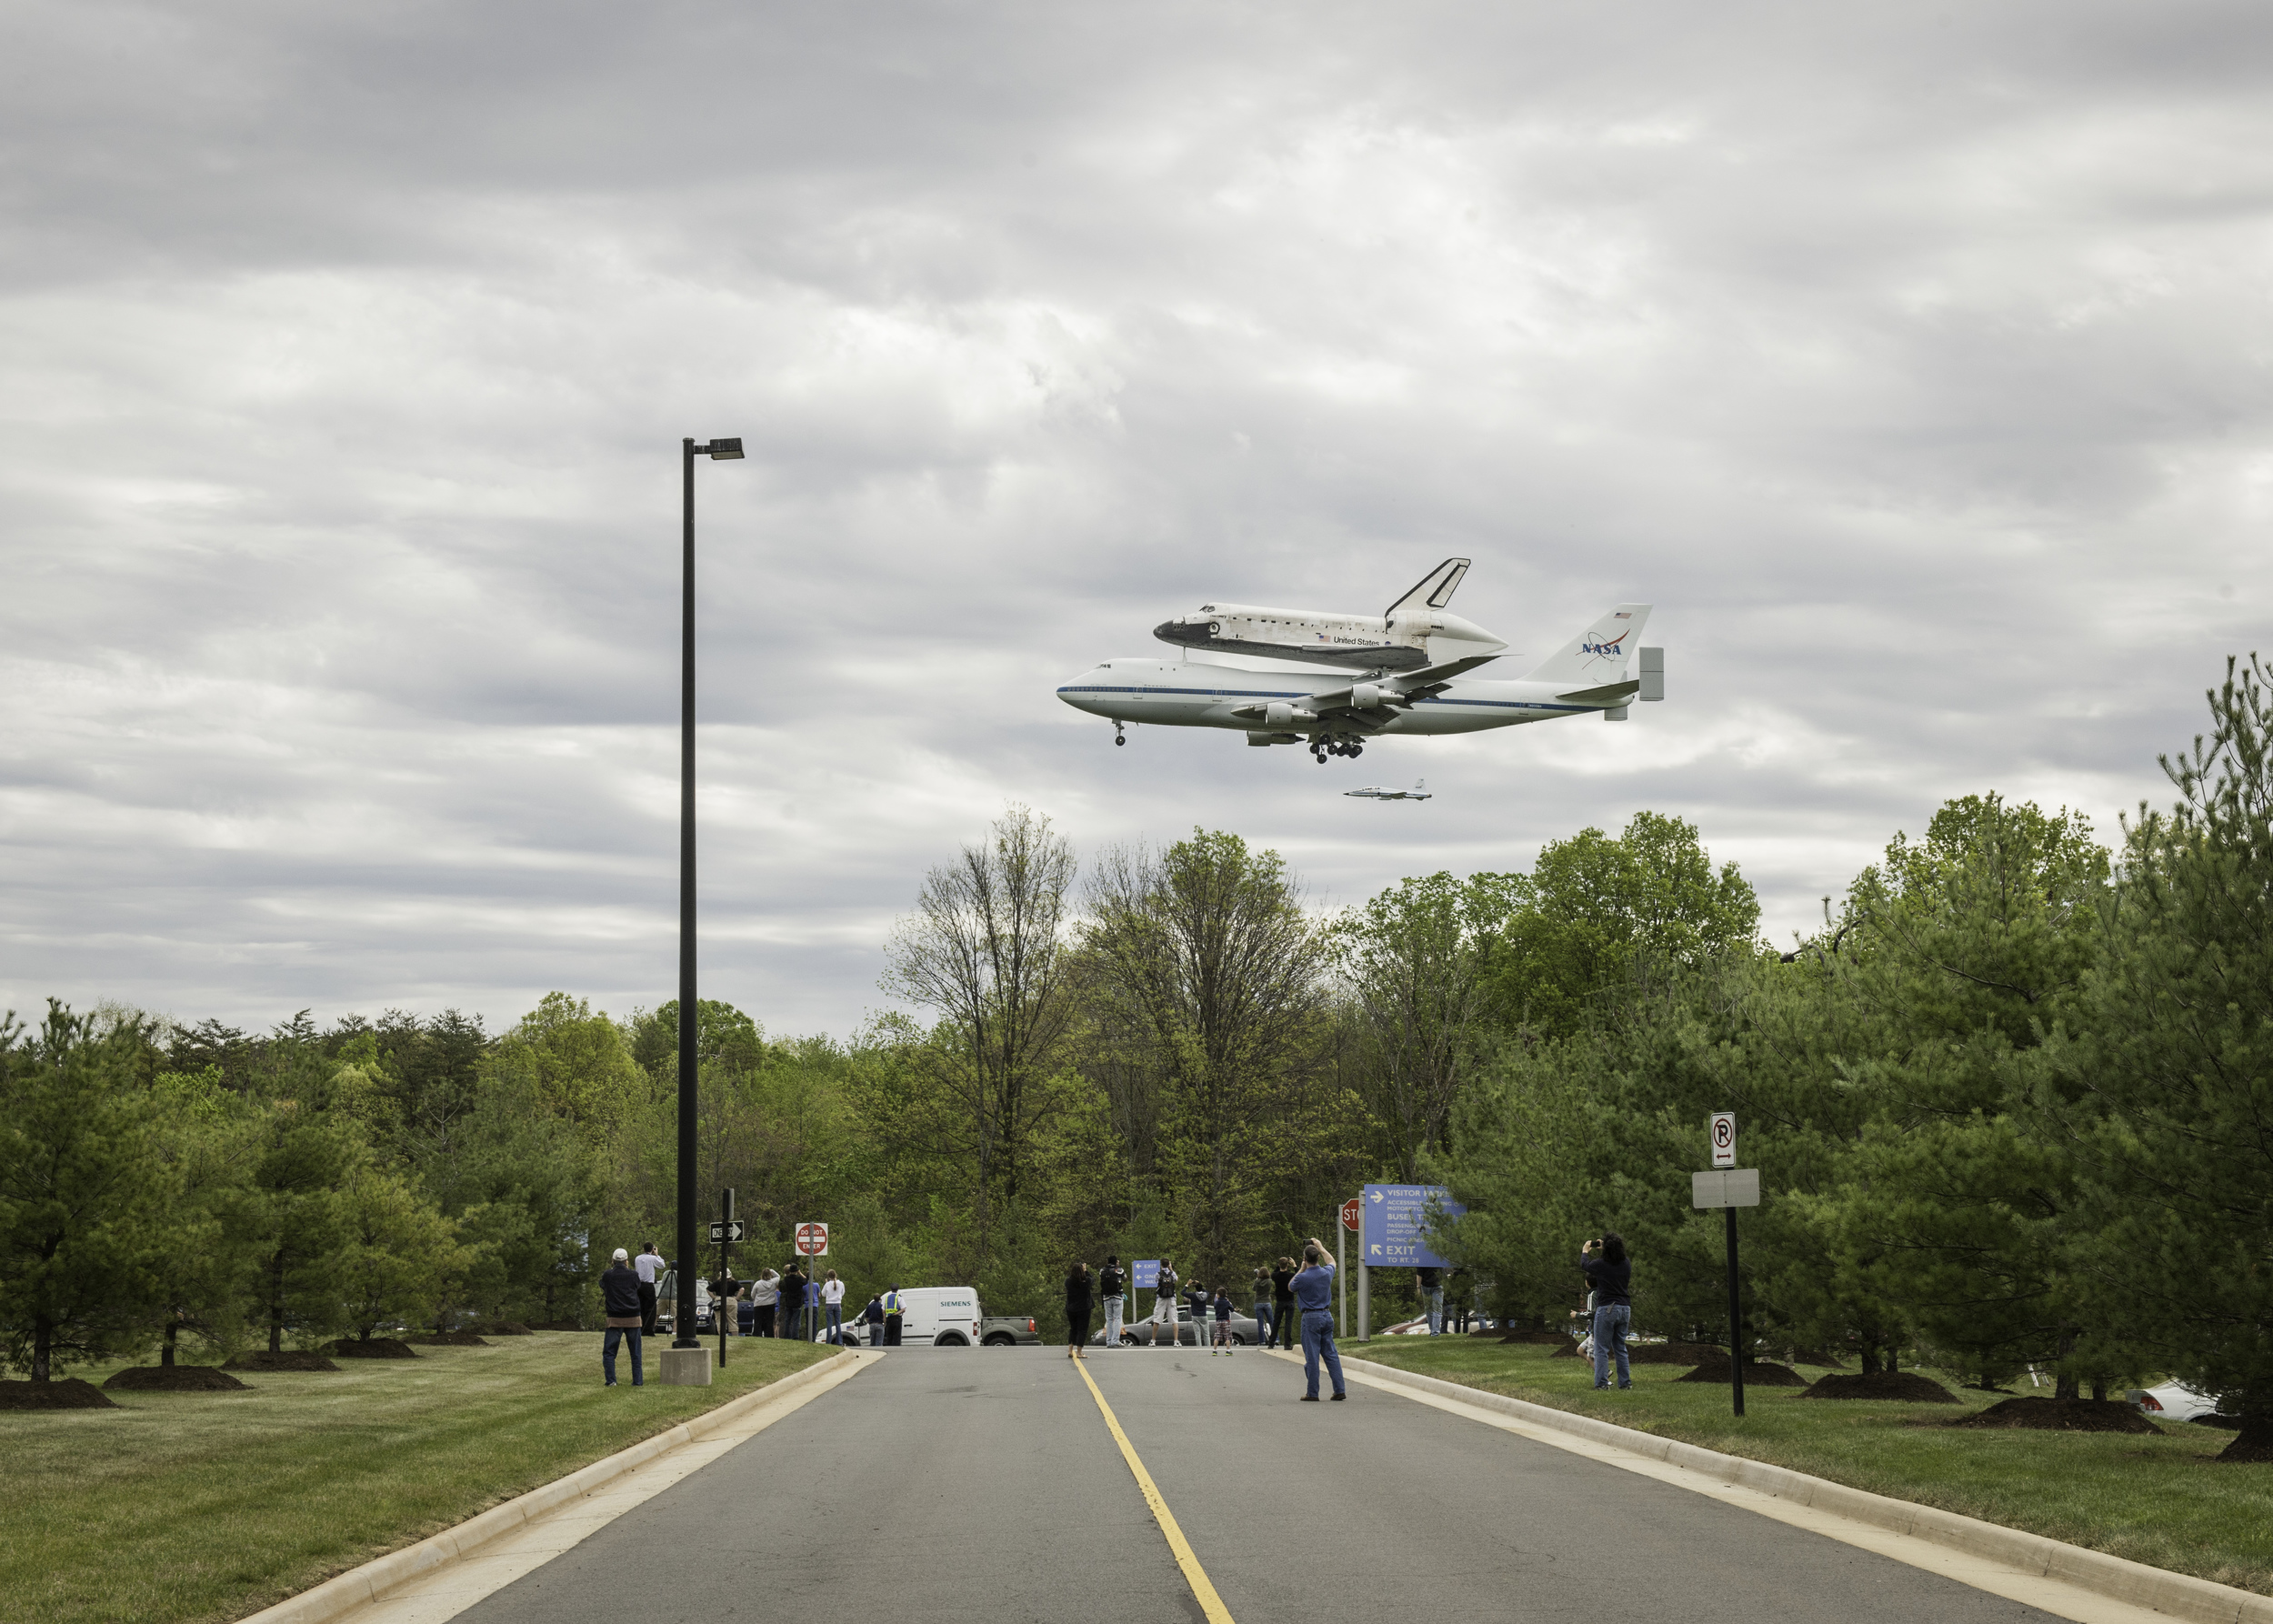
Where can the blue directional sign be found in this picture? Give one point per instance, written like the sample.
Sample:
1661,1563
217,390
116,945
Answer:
1145,1274
1395,1218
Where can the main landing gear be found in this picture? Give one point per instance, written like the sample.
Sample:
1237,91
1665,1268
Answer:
1322,746
1117,737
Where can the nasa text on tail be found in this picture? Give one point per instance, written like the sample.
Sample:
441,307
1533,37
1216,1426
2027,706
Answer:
1256,671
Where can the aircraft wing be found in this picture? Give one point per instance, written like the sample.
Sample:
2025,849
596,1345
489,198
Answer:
1341,703
1610,693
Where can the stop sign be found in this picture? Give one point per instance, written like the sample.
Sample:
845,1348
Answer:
813,1240
1353,1214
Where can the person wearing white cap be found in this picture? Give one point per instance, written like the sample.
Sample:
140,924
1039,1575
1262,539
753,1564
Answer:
619,1287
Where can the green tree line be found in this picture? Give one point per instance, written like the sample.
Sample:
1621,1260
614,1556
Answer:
2007,1103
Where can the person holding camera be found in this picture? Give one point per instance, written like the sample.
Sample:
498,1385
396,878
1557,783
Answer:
1314,1290
1612,1276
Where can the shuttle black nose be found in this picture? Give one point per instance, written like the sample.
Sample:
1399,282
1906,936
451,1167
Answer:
1177,631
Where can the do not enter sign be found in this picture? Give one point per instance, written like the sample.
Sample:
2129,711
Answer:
1353,1214
813,1240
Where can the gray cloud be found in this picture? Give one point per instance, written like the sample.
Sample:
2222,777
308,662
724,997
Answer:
1914,363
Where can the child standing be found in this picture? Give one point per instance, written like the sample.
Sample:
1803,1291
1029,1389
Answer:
1223,1323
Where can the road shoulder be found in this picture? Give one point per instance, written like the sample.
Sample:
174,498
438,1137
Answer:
441,1576
2068,1581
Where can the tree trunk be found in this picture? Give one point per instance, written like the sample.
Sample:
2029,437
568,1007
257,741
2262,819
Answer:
166,1346
276,1302
43,1345
2100,1389
2067,1387
1870,1358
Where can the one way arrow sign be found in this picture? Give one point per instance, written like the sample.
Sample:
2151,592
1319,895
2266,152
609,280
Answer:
731,1230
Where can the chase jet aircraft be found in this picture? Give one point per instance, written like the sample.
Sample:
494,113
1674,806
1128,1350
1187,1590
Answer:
1377,792
1255,670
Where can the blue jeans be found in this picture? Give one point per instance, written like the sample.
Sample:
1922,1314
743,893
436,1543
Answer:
1317,1338
793,1322
1262,1322
835,1322
1611,1322
1113,1306
616,1333
1437,1313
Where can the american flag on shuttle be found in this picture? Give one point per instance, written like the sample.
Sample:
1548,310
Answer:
1623,614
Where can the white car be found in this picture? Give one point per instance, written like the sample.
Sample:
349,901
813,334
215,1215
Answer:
2173,1401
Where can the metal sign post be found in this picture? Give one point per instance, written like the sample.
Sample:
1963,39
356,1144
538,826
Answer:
1729,1188
1352,1215
726,1231
1144,1275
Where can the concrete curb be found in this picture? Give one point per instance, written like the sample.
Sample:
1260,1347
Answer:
2177,1594
358,1586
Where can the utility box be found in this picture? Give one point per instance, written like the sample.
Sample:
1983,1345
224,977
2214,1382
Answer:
1652,673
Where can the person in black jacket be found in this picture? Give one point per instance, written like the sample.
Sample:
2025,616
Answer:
619,1290
1282,1302
1112,1286
1612,1277
1077,1296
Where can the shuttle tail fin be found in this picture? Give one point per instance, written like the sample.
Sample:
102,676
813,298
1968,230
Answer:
1598,654
1434,590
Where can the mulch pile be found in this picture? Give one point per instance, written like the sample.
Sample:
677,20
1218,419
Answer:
174,1379
449,1339
1904,1386
375,1347
2060,1415
1758,1374
287,1360
71,1393
508,1327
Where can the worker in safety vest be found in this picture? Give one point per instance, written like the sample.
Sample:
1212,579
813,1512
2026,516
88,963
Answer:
892,1316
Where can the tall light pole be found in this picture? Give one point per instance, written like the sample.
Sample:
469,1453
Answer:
694,1371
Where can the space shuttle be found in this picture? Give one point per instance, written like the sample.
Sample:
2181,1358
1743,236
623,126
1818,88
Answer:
1417,630
1407,671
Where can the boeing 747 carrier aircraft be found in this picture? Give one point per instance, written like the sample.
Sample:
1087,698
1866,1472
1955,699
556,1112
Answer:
1256,671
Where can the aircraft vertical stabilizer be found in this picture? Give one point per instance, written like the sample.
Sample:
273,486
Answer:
1598,654
1434,590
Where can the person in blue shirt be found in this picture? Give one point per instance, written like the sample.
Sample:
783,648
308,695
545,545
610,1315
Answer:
1314,1288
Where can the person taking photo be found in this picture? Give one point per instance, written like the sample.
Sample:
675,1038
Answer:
1314,1289
1612,1276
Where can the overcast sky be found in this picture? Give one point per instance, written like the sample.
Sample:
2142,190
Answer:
1911,358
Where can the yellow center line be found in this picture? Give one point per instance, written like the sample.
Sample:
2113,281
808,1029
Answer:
1195,1575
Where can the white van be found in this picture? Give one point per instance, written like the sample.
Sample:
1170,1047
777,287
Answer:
939,1316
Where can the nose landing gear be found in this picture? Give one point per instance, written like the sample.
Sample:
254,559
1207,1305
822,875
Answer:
1118,738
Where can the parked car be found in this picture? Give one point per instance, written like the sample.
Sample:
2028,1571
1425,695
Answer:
1008,1330
2172,1401
1142,1333
667,1305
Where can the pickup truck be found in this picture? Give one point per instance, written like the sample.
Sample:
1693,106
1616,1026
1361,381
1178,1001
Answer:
1008,1330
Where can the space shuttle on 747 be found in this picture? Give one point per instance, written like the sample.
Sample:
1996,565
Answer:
1335,681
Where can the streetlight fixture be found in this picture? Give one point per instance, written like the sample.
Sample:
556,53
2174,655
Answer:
686,1362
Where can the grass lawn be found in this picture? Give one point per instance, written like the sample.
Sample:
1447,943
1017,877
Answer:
210,1506
2158,1500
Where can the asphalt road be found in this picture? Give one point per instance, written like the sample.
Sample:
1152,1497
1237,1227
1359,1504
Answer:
983,1484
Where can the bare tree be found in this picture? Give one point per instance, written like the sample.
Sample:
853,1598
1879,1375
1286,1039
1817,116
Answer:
1204,965
983,951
